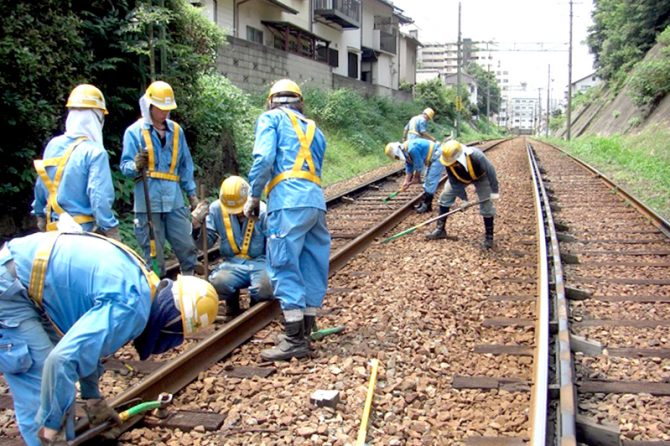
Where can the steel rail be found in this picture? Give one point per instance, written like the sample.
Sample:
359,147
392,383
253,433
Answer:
567,416
540,386
659,222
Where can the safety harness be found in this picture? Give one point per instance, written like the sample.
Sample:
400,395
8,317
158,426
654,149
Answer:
431,150
151,172
470,171
304,155
244,252
52,186
43,254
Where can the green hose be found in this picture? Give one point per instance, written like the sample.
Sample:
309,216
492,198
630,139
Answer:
136,410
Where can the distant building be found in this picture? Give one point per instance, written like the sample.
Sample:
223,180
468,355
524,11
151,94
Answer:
585,83
467,81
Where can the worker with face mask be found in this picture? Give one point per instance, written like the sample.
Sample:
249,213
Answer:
155,146
288,155
467,165
242,247
74,176
67,300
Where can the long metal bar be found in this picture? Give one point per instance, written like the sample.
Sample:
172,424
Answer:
568,393
539,395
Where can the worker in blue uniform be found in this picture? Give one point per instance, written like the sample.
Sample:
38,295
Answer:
287,159
467,165
417,127
426,154
242,247
67,300
397,151
74,174
156,147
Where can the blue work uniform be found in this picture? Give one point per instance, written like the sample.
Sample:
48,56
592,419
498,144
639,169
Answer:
472,167
94,298
84,187
416,126
170,171
242,248
298,241
425,153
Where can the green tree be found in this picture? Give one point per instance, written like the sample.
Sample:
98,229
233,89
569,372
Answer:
488,89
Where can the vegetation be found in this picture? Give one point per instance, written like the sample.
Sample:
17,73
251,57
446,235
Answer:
488,90
621,34
650,80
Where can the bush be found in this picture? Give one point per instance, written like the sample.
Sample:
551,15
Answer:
650,82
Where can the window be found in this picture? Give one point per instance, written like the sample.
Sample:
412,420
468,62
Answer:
352,68
254,35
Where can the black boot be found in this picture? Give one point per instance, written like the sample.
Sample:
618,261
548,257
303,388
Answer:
310,326
294,344
233,306
488,228
426,205
439,233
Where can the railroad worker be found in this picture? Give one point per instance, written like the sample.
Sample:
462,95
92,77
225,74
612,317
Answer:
425,154
66,301
155,152
397,151
242,247
74,174
288,155
417,127
467,165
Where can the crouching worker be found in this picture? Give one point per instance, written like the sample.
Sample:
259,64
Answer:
67,300
397,151
467,165
424,152
242,247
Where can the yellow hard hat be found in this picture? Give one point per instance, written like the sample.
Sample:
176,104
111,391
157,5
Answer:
87,96
286,89
429,112
160,95
198,303
233,194
451,150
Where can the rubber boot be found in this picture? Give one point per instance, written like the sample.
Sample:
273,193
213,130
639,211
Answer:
293,345
488,228
233,306
439,233
426,205
310,326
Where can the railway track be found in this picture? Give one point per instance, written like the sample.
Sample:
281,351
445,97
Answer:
454,327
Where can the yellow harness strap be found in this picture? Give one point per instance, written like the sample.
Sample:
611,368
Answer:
430,153
41,262
152,173
304,155
246,241
471,171
52,186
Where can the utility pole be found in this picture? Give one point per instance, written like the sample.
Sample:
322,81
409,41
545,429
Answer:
569,117
459,103
546,129
539,110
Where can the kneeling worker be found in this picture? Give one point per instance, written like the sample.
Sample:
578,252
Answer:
242,247
67,300
467,165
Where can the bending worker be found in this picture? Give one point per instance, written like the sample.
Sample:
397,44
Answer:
242,247
467,165
69,299
74,175
417,127
154,147
288,155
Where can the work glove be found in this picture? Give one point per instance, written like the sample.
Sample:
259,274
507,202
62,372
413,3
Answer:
141,161
41,223
465,203
56,439
494,197
112,233
193,201
252,207
199,214
98,411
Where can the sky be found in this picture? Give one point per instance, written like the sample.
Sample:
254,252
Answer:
514,24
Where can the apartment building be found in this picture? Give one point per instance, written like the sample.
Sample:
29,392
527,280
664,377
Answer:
325,43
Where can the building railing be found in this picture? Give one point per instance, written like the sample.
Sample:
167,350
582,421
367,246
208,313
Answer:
348,8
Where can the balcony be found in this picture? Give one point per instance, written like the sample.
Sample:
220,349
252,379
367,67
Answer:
345,13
